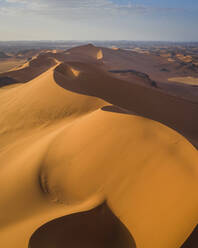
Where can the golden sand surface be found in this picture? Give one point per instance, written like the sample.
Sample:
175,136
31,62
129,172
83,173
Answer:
71,148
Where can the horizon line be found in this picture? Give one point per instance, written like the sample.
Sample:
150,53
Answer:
115,40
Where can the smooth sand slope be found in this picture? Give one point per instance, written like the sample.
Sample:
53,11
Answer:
127,180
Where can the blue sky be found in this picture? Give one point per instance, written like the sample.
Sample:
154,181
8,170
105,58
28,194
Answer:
172,20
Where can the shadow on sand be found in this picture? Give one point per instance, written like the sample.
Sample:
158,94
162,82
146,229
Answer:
192,241
100,228
177,113
97,228
5,81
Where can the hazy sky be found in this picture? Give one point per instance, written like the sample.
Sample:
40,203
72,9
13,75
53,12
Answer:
175,20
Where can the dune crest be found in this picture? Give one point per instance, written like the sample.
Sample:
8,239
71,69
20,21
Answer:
67,70
29,70
89,51
76,73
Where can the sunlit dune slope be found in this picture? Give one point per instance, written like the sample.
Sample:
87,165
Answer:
150,102
137,164
64,149
185,80
8,64
41,102
88,51
29,70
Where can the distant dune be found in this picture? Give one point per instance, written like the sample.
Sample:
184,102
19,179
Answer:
92,158
3,55
30,69
8,64
185,80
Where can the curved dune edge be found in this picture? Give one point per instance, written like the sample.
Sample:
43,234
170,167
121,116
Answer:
73,197
95,228
87,50
72,151
25,65
30,70
177,113
192,241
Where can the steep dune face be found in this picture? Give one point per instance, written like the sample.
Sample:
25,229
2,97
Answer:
180,114
44,60
64,149
30,69
68,71
88,51
41,102
32,115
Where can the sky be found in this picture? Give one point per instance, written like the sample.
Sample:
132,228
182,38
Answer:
161,20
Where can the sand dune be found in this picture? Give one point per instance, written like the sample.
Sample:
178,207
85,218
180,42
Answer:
100,55
29,70
8,64
185,80
177,113
88,51
79,146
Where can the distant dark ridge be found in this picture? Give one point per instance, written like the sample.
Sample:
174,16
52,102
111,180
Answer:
188,66
25,51
140,74
165,69
3,55
137,73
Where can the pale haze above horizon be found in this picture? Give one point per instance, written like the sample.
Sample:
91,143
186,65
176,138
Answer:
159,20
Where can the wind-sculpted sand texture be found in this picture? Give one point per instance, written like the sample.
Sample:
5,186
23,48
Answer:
89,159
